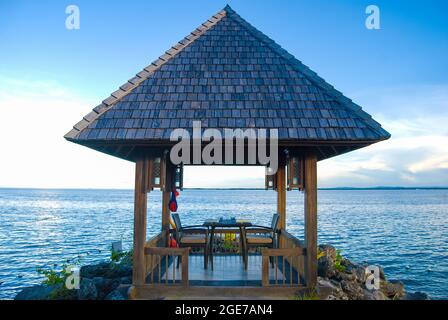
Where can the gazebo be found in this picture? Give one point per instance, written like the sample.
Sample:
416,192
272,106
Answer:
225,74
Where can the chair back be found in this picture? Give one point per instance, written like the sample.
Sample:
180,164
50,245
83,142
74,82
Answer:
274,223
274,226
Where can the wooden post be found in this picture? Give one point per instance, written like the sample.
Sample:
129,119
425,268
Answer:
140,194
311,219
185,255
281,197
264,269
165,201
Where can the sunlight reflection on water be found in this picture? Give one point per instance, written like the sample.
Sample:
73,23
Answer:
396,229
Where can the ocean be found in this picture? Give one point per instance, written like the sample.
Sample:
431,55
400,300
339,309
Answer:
405,231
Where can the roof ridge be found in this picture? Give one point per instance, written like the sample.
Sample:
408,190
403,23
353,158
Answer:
311,75
134,82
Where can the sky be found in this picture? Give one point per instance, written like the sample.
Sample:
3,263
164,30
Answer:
51,76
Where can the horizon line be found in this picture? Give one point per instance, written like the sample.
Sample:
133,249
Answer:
243,188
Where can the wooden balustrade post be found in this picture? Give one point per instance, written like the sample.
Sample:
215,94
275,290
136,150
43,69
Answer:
166,192
140,198
281,198
311,219
264,269
185,255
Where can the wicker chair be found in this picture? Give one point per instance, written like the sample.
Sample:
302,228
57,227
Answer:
262,236
191,236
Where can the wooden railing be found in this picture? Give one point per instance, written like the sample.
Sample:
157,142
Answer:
283,266
282,262
287,262
154,242
161,264
162,268
289,241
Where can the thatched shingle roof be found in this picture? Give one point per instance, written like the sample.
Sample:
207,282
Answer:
227,74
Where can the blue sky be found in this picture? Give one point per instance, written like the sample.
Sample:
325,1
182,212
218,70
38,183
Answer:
50,77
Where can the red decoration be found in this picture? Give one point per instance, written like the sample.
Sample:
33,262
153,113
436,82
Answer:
173,243
173,203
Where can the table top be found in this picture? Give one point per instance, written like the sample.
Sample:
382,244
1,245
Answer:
226,224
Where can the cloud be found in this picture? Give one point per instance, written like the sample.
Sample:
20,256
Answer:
36,115
417,153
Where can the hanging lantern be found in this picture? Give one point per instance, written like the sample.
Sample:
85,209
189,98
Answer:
179,177
270,180
156,173
295,173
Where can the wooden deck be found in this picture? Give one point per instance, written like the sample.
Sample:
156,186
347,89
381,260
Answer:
147,292
228,271
281,278
228,280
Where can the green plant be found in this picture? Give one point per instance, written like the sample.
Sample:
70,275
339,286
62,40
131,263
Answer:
229,245
52,276
320,254
56,276
61,293
338,262
308,295
121,257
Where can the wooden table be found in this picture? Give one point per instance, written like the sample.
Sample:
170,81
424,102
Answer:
212,224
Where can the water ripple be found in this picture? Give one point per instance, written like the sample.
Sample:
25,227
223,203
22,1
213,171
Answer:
405,231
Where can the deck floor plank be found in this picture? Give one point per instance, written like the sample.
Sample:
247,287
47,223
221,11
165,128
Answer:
228,269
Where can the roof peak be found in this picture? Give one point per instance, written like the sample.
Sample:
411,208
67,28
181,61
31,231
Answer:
228,9
81,129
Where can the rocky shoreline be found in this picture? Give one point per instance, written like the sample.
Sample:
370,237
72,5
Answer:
338,279
102,281
341,279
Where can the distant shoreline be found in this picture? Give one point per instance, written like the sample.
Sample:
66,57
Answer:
323,189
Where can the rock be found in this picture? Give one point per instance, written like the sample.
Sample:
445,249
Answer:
106,270
416,296
352,289
326,264
360,273
95,270
325,267
87,290
39,292
124,289
329,251
120,270
115,295
126,280
374,295
326,289
382,275
326,285
347,264
104,286
347,276
393,289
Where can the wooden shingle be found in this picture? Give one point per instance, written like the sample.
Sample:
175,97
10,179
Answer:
226,73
